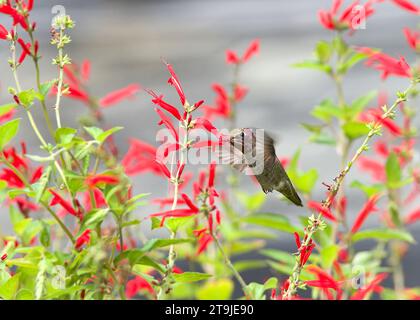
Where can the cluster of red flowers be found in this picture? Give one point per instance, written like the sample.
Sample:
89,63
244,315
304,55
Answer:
222,106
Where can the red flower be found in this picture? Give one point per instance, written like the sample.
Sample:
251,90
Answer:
140,157
222,105
351,17
407,5
158,100
3,32
413,38
363,214
373,285
232,57
252,50
374,167
13,181
321,209
388,65
83,239
305,251
203,243
176,213
212,174
189,203
174,81
167,122
136,285
164,169
57,199
98,197
412,217
93,181
205,124
118,95
240,92
25,51
381,149
25,205
85,70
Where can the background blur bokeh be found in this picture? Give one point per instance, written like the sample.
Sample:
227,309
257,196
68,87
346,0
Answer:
125,41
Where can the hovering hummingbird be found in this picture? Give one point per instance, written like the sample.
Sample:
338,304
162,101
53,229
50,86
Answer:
252,151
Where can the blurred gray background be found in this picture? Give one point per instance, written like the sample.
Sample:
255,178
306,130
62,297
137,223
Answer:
126,39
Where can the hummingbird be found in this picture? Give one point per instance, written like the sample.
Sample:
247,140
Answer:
252,151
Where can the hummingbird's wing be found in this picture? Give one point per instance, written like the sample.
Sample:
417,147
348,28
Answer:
273,176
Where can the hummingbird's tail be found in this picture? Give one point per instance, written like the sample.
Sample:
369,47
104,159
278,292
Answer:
286,188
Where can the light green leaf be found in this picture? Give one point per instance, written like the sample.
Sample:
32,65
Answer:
220,289
191,276
354,130
10,288
393,171
65,135
383,234
272,221
8,131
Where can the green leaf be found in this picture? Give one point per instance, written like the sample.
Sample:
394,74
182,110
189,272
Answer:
133,255
174,224
369,190
46,87
354,130
8,131
65,135
323,51
94,132
104,135
326,111
95,217
313,65
245,265
306,181
251,202
358,105
383,234
272,221
350,62
329,255
393,171
191,276
278,255
220,289
322,138
26,98
10,288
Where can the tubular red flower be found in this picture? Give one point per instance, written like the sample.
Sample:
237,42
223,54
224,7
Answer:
413,38
98,197
83,239
297,240
305,252
36,175
407,5
176,213
174,81
362,293
205,124
158,100
203,243
389,65
252,50
167,122
24,46
30,5
240,92
117,96
85,70
3,32
212,174
321,209
412,217
93,181
232,57
381,149
57,199
13,181
375,168
164,169
368,208
136,285
189,203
